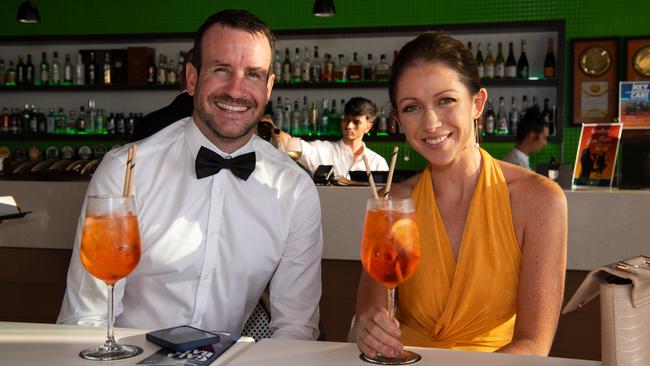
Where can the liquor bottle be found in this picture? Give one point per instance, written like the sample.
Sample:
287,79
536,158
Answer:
480,64
382,69
14,122
279,114
341,70
502,119
333,126
41,121
91,122
313,118
324,118
29,71
100,122
514,116
369,69
3,72
107,69
305,68
20,71
469,48
511,64
120,124
55,69
171,77
130,124
152,71
305,117
382,123
277,66
92,69
499,63
25,120
287,115
286,67
549,61
296,71
61,122
110,124
71,123
4,122
327,73
489,63
296,118
524,105
355,69
81,120
522,64
10,78
50,124
490,119
79,71
536,104
547,115
161,74
316,67
67,70
45,70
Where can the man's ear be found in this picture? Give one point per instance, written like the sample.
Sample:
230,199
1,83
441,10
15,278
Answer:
191,75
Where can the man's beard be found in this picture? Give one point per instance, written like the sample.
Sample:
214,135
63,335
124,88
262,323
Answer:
213,125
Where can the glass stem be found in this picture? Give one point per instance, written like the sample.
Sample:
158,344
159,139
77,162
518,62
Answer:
110,340
391,303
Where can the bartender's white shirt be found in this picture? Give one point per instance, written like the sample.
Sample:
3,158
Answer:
211,245
315,153
518,157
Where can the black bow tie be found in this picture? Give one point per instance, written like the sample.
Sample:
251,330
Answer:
209,163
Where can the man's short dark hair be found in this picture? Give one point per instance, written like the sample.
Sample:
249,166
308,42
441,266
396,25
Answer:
359,106
531,121
231,18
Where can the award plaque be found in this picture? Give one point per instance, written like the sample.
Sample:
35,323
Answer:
638,59
595,80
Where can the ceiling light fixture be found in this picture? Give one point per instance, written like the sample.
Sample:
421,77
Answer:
324,8
27,13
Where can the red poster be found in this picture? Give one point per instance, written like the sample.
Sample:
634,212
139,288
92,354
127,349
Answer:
596,155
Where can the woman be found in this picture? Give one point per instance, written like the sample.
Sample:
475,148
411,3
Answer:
491,275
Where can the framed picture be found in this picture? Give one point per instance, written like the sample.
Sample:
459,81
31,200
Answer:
634,104
637,65
596,155
595,80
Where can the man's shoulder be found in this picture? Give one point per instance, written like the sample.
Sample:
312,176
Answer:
279,163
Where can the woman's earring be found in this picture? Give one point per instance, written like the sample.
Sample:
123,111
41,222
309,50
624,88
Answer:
476,132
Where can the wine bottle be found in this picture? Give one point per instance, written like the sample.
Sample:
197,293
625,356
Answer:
502,120
522,64
549,61
499,63
480,64
286,67
514,116
20,71
489,117
489,63
45,69
511,64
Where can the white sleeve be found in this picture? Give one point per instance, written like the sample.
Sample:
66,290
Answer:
85,299
315,153
296,285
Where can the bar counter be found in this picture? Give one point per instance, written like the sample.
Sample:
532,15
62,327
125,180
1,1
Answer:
33,344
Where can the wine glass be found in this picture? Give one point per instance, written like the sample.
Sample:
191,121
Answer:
390,253
110,250
294,148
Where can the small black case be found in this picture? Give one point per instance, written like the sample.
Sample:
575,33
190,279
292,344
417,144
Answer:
182,338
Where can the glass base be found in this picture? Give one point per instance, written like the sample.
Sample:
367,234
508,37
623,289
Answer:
113,352
404,358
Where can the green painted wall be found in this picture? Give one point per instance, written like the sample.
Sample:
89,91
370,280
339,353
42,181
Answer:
593,18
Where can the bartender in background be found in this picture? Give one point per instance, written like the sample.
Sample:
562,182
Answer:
182,106
344,155
532,135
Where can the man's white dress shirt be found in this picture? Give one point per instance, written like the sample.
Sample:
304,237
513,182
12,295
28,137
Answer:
211,245
517,157
336,153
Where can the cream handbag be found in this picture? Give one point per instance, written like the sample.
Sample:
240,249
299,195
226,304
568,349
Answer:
624,310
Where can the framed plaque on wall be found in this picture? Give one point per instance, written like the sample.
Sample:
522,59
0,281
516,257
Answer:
594,86
637,64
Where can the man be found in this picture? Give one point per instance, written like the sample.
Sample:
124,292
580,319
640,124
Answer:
182,106
346,154
532,135
212,243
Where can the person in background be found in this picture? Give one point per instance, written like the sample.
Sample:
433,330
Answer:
213,235
182,106
493,236
532,136
345,154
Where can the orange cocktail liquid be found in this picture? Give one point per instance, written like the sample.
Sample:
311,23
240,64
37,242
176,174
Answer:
110,246
390,247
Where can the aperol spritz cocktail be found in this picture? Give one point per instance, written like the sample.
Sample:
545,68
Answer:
390,253
110,250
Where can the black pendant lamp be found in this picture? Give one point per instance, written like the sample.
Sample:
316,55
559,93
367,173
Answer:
27,13
324,8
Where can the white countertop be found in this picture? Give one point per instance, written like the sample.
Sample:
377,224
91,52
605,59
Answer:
59,345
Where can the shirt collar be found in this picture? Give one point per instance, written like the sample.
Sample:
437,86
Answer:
194,139
522,155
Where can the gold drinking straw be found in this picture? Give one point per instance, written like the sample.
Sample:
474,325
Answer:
391,169
130,165
370,179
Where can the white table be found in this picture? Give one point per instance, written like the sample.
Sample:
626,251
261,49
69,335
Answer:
23,344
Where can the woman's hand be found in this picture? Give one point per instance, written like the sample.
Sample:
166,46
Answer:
374,333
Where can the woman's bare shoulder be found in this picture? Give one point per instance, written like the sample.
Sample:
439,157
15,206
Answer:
404,188
529,190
